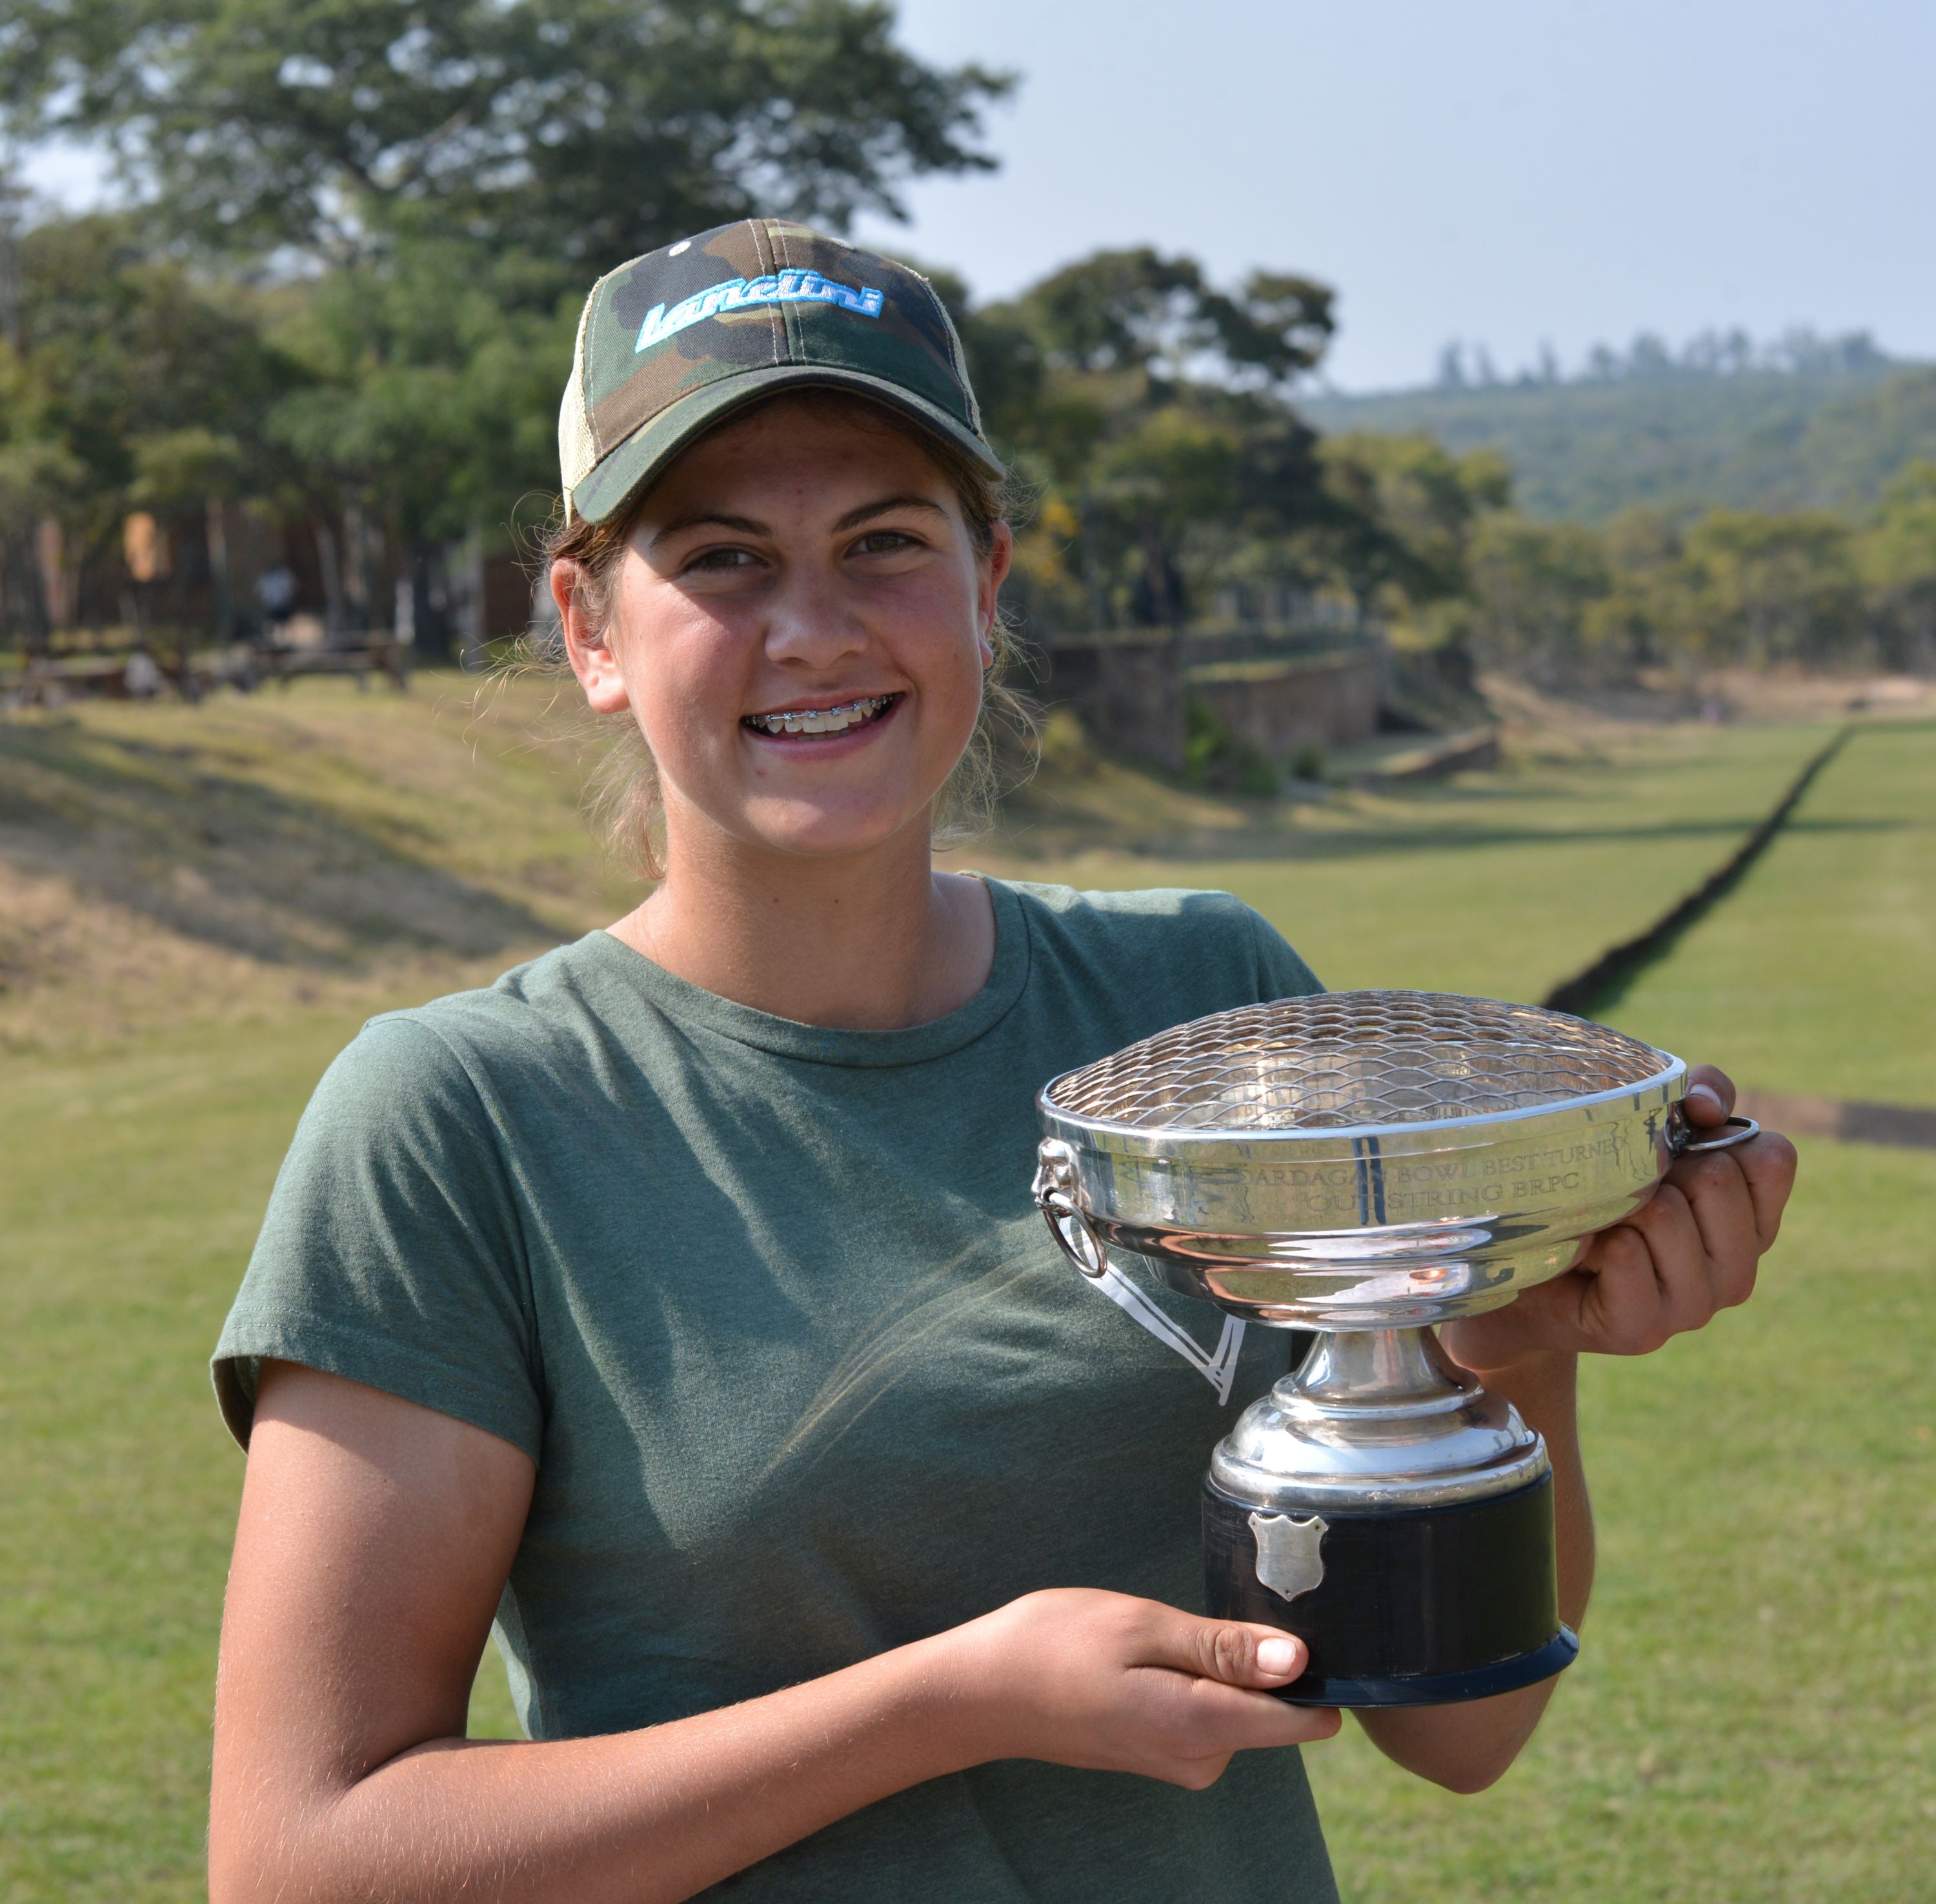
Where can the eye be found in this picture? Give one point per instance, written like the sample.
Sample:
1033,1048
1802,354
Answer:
885,541
720,561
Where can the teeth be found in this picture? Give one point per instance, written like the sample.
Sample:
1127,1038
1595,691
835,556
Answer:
819,721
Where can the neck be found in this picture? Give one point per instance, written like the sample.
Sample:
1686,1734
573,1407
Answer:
870,941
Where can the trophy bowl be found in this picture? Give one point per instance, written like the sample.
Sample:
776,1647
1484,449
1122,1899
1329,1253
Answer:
1366,1164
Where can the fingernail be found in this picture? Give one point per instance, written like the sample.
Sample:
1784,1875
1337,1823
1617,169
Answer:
1278,1657
1708,1092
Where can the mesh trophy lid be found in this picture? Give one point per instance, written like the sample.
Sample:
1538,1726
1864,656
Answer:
1355,1060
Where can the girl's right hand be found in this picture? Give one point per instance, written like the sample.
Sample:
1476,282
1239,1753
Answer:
1111,1683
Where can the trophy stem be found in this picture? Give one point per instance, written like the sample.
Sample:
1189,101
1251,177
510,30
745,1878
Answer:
1377,1368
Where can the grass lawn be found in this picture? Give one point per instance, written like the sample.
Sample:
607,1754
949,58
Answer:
1500,883
1751,1717
1818,973
1748,1721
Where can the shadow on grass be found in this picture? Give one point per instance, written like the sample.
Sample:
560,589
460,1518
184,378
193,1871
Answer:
214,856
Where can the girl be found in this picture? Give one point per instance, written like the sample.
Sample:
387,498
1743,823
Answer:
678,1301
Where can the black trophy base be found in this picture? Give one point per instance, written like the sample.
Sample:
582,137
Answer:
1421,1607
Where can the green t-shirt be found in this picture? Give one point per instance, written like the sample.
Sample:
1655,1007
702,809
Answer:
803,1373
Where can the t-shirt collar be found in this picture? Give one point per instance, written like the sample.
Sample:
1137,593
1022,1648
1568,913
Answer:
692,1006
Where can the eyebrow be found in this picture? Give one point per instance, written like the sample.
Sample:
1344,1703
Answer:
746,526
868,511
679,525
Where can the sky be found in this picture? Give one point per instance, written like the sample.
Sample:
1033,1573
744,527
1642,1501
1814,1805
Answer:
1506,172
1502,172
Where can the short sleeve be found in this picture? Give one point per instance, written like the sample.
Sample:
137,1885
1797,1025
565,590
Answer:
390,1253
1281,974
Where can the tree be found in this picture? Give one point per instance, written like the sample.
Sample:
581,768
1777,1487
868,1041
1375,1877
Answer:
429,410
1896,557
1783,587
1399,513
134,384
1532,583
583,131
1138,311
1148,407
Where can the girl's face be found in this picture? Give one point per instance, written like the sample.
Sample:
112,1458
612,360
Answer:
799,627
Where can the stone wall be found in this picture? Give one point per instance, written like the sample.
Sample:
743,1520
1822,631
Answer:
1322,701
1129,692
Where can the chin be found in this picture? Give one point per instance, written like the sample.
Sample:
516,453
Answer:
831,836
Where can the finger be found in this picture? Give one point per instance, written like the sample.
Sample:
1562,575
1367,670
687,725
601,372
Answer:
1678,1252
1215,1718
1709,1095
1768,1163
1716,1190
1652,1283
1620,1309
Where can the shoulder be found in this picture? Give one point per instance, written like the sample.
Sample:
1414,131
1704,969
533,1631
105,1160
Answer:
454,1066
535,1015
1198,939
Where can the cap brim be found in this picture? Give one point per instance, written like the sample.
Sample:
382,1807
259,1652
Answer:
616,478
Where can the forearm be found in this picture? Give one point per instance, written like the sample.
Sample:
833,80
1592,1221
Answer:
1466,1747
648,1817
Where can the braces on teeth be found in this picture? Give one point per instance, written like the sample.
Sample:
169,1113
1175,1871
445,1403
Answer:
819,720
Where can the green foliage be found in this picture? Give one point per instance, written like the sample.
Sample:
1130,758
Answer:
1138,311
349,301
123,353
1400,511
1221,762
1896,559
1149,409
431,386
1852,449
394,211
582,130
1782,587
1828,436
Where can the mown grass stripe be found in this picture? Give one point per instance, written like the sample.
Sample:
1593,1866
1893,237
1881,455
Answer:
1598,984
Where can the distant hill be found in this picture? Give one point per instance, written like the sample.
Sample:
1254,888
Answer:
1686,441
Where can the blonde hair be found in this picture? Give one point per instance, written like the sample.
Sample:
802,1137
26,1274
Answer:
622,794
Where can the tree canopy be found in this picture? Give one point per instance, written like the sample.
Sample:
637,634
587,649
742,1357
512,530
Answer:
584,131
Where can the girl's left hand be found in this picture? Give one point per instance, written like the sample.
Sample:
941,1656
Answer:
1692,1249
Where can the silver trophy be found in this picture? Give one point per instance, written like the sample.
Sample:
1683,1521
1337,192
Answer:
1366,1164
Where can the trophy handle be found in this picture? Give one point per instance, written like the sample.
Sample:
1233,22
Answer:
1055,1188
1737,1130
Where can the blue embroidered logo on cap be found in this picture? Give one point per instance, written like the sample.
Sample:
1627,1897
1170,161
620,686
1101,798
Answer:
738,294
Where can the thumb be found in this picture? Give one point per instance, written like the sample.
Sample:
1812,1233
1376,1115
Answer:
1710,1096
1234,1652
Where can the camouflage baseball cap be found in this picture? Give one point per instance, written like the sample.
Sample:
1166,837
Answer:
675,340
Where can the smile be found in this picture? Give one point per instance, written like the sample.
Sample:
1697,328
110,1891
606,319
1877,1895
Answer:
821,720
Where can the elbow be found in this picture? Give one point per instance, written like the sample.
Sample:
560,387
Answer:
1469,1779
235,1877
1479,1766
280,1866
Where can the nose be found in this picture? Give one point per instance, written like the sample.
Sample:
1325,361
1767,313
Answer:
810,625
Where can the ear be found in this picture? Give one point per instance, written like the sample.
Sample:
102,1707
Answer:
585,646
994,571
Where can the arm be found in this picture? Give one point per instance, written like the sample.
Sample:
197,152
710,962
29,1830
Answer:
1467,1748
1691,1251
375,1537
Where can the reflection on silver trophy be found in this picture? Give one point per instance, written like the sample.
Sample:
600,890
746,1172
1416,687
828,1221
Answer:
1366,1165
